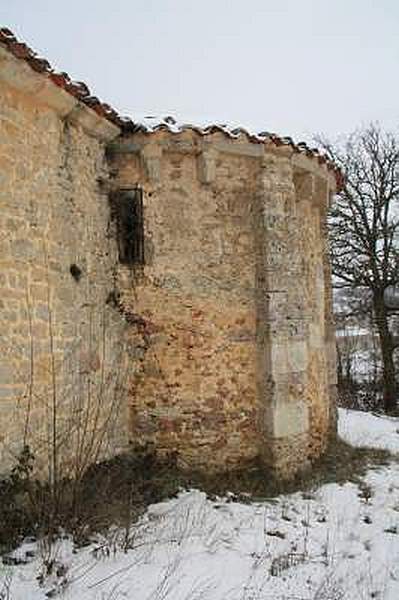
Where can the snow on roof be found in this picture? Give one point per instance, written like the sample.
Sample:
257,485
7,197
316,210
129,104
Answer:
80,90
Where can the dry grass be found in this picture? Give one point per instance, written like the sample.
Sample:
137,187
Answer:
119,490
340,463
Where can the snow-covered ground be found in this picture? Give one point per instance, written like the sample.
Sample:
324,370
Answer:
340,542
369,431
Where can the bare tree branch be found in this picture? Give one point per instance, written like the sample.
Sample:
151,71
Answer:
364,227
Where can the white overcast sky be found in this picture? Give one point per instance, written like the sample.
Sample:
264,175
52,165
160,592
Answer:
296,67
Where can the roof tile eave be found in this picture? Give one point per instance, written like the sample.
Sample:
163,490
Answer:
77,89
81,92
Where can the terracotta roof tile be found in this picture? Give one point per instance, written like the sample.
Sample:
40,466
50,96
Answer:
79,90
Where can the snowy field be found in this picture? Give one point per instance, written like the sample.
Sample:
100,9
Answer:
339,542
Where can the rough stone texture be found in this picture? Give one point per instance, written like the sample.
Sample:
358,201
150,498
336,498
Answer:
236,292
62,363
219,349
195,391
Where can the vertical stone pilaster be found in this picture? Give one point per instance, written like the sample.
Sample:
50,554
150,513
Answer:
329,338
152,159
206,164
282,348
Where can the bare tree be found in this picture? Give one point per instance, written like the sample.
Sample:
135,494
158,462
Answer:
364,226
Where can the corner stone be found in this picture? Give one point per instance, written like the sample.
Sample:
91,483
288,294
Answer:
289,419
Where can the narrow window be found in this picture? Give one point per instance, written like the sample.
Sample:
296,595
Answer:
128,207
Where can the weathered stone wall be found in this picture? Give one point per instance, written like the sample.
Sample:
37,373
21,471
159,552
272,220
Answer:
62,356
219,349
235,292
294,395
195,392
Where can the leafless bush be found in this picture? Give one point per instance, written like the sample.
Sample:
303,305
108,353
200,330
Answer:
5,586
329,589
69,417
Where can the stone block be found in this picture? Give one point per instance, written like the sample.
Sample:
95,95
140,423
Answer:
7,373
297,356
24,249
289,418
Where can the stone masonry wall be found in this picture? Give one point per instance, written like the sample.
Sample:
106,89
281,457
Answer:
62,355
195,392
219,350
293,388
235,295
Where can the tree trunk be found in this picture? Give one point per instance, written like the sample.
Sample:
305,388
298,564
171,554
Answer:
340,377
387,348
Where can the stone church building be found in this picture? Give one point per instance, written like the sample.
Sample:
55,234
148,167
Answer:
161,284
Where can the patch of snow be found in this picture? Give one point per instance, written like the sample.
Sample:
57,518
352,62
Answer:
151,123
352,331
340,542
367,430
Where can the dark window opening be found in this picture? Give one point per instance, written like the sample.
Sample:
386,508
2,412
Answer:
128,206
